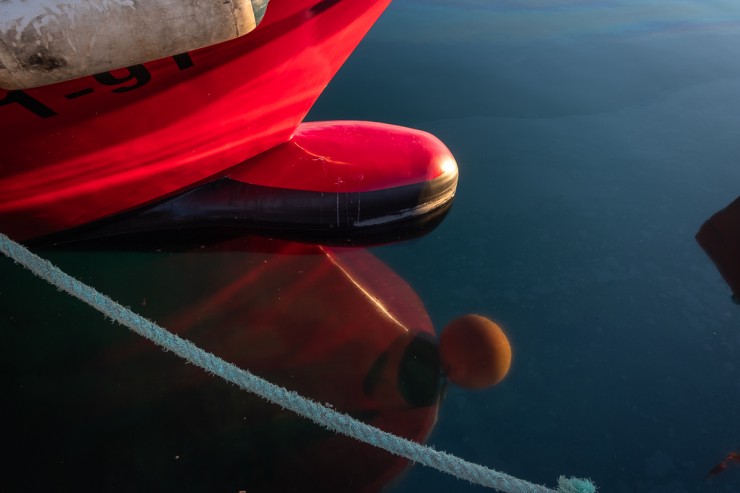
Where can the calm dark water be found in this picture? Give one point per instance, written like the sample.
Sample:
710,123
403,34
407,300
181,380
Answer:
593,139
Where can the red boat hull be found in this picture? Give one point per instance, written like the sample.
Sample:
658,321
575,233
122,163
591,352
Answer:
79,151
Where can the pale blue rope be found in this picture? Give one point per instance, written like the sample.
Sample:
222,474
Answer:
333,420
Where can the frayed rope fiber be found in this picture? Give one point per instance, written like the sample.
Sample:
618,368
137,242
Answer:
328,418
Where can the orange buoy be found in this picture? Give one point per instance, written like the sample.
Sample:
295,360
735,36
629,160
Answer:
475,352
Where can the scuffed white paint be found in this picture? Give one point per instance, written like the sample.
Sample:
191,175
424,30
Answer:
47,41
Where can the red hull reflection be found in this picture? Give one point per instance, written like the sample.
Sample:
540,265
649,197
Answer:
720,239
114,413
732,457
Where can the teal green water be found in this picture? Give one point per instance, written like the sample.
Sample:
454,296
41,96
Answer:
593,140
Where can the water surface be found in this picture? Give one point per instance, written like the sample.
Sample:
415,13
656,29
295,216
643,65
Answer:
593,138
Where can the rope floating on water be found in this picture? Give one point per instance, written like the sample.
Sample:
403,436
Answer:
324,416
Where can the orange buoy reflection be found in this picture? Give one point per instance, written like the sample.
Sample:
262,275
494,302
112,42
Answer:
475,352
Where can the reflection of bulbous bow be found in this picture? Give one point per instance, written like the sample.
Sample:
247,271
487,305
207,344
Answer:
115,413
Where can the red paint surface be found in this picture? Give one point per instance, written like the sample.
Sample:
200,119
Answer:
105,152
349,157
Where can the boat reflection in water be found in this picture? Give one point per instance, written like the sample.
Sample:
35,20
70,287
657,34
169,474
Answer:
719,236
109,411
